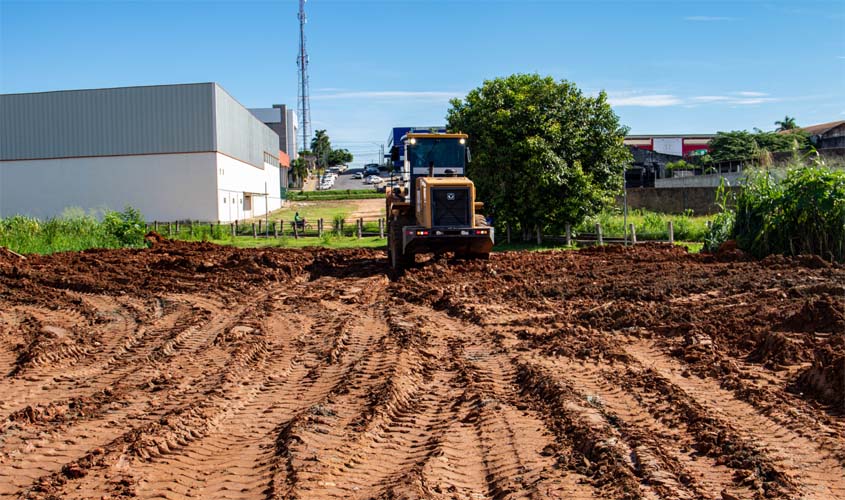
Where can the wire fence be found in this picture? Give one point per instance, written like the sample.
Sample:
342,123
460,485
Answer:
360,227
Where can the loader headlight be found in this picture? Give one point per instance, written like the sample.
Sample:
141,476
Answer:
463,141
413,140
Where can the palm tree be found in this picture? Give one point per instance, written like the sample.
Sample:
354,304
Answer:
788,123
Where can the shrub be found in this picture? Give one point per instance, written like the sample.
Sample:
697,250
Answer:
127,227
802,212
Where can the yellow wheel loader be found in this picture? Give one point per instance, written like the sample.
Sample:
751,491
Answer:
436,211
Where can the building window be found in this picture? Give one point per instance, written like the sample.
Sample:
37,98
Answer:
272,160
247,202
224,200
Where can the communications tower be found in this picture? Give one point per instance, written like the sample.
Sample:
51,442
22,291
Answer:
304,103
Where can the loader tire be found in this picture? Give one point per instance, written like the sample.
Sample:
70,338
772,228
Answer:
399,261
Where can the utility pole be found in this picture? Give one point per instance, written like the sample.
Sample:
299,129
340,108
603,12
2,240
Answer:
304,100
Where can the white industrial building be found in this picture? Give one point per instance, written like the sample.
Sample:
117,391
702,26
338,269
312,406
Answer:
175,152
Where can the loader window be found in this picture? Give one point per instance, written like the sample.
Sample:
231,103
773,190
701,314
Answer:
445,153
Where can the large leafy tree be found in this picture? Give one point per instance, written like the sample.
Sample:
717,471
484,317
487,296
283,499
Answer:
338,156
745,145
544,154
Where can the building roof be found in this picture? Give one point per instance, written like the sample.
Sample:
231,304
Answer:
670,136
822,128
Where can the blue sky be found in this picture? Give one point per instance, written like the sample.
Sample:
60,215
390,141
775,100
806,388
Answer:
669,67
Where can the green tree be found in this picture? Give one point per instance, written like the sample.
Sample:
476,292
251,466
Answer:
788,123
338,156
321,147
745,145
544,154
299,168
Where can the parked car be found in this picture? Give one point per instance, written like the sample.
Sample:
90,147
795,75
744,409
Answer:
371,169
374,179
358,175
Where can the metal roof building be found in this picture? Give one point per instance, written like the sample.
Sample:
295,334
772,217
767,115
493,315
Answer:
174,151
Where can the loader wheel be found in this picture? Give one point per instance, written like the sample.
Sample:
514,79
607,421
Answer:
398,260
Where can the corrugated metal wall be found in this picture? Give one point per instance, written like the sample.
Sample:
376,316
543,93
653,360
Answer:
240,134
103,122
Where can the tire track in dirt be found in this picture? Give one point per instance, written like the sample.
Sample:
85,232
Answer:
672,460
304,374
176,404
815,471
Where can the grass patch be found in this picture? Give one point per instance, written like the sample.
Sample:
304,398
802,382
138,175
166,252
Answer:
74,230
348,194
648,225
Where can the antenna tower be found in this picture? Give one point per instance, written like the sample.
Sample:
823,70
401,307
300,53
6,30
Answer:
303,98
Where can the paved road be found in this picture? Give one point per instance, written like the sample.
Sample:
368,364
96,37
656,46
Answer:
345,181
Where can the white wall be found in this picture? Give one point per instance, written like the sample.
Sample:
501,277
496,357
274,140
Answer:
669,145
164,187
291,130
235,179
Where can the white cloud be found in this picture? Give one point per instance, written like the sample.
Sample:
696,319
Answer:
389,94
706,19
739,99
649,101
710,98
840,57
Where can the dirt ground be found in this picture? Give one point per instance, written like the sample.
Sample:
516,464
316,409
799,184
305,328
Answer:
197,371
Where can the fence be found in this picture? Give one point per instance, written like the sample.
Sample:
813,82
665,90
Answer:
361,227
598,237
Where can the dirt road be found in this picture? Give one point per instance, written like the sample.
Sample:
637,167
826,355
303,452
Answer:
195,371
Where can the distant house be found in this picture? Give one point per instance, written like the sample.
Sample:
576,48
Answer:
827,135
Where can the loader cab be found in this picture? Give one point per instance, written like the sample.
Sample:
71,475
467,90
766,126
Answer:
431,155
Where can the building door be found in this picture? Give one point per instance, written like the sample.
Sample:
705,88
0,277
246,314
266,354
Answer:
247,206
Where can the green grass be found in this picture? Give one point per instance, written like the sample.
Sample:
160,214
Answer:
648,225
74,230
348,194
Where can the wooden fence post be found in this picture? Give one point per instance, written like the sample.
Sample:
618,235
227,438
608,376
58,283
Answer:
508,231
254,235
236,227
568,234
320,227
380,227
360,227
275,230
155,226
259,225
633,231
342,222
295,230
539,236
177,228
232,228
599,239
671,229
